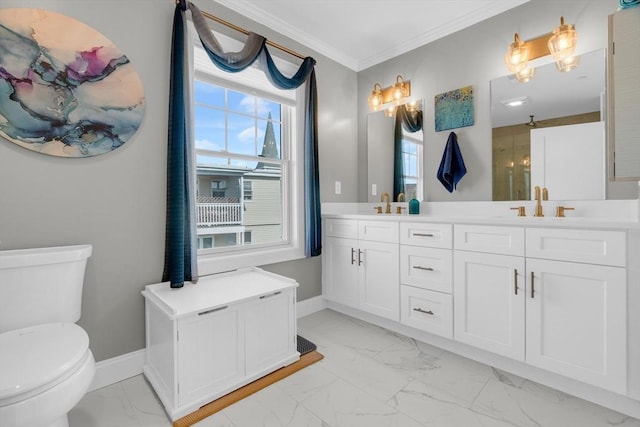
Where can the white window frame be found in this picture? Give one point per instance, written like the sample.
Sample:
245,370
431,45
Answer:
253,80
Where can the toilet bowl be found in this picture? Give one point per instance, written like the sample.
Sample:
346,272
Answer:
46,365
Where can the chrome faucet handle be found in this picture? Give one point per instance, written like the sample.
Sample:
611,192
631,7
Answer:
560,211
520,209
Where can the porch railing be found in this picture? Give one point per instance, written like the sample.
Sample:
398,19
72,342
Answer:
212,214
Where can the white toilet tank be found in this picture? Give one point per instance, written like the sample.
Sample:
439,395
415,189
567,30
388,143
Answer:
41,285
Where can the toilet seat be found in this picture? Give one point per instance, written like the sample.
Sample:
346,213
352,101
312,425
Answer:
37,358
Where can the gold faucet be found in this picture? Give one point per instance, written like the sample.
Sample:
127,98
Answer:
401,198
545,194
387,209
560,211
538,210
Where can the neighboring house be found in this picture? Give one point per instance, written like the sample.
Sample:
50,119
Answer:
239,205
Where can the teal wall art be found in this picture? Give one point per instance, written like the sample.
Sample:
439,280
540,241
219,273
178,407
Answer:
454,109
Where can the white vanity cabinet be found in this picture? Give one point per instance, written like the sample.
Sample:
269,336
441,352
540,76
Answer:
426,276
561,308
489,288
576,322
360,265
207,339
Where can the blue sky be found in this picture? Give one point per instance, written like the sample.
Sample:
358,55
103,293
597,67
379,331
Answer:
246,116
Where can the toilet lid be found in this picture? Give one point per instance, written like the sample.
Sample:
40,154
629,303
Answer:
34,356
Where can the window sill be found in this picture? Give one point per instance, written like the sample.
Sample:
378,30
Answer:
220,262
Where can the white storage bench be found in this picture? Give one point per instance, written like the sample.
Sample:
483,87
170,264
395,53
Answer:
207,339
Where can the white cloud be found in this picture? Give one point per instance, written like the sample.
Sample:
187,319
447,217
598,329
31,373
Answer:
205,144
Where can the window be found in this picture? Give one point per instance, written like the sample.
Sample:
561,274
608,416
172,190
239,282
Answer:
218,188
248,190
412,158
245,134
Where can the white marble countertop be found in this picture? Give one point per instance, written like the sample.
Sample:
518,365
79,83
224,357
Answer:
619,214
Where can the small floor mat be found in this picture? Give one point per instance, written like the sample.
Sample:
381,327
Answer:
305,346
308,356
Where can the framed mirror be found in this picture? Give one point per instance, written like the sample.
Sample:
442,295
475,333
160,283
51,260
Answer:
551,99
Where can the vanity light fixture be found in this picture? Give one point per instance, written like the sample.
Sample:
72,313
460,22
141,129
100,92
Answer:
375,99
396,93
525,75
560,44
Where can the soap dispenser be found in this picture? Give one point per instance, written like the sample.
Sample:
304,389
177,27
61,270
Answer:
414,207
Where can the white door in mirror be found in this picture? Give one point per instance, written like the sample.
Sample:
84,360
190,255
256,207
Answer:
569,161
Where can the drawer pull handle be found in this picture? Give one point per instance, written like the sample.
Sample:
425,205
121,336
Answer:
532,284
419,267
419,310
202,313
270,295
515,281
353,256
423,235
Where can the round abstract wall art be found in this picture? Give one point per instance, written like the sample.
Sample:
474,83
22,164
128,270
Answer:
65,89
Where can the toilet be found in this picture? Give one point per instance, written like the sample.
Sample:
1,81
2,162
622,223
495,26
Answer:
46,365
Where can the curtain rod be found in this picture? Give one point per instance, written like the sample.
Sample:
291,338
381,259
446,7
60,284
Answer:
245,32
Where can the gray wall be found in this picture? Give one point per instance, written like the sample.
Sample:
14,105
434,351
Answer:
473,56
116,201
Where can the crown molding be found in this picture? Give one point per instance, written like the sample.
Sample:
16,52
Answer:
282,27
260,16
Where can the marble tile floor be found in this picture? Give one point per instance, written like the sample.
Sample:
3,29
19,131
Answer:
369,377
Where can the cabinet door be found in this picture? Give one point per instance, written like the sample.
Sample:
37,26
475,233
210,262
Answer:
210,353
623,92
379,279
340,271
576,321
269,331
489,302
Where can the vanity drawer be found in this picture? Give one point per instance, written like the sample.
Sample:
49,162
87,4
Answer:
378,231
425,234
345,228
490,239
427,310
589,246
426,268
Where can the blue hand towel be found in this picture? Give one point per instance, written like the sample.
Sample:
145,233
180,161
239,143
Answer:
452,167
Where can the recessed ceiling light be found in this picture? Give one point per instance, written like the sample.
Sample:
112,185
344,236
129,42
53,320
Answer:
515,102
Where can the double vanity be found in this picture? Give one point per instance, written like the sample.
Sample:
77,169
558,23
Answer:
552,299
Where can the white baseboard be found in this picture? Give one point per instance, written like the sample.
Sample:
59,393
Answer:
310,306
129,365
118,368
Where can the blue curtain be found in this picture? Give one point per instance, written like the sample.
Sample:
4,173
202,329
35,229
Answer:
180,249
411,121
